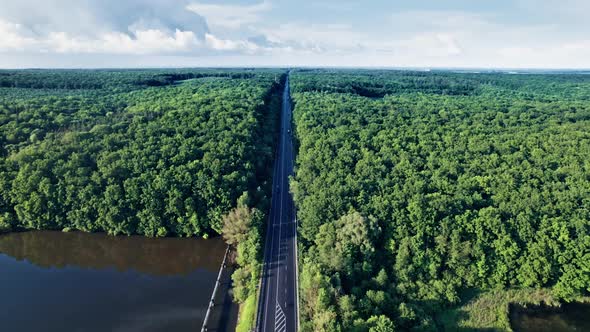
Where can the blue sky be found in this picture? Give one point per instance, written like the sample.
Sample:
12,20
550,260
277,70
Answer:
179,33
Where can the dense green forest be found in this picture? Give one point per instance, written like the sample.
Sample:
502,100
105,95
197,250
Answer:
150,152
418,190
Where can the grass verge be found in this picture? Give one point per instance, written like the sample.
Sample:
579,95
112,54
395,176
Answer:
247,314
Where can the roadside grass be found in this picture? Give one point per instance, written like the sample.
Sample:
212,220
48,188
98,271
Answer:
490,311
247,314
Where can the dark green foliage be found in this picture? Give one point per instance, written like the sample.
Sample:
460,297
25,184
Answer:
110,80
102,151
460,180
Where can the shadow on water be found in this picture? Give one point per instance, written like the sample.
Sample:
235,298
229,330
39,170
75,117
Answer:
569,317
53,281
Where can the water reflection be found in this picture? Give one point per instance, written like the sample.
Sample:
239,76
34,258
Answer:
570,317
53,281
168,256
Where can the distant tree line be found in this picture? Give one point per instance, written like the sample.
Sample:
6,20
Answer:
110,80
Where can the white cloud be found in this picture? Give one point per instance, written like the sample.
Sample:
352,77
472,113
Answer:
230,45
343,40
524,33
141,42
91,18
427,20
431,45
566,11
116,27
579,46
315,38
229,16
513,52
152,41
555,55
13,37
467,39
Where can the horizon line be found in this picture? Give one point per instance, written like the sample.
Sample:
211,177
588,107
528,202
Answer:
409,68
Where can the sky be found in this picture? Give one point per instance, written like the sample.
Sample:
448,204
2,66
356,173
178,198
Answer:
339,33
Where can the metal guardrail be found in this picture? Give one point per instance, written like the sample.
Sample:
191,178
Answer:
217,282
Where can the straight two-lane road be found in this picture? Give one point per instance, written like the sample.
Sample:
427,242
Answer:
277,310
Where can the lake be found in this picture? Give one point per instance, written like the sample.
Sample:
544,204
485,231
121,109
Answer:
570,317
54,281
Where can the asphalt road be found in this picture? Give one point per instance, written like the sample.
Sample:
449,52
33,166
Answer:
277,310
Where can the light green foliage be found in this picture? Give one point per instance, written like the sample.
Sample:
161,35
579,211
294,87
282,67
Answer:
236,225
5,222
345,246
247,315
380,324
459,181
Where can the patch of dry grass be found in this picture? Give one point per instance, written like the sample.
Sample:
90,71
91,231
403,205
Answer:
490,311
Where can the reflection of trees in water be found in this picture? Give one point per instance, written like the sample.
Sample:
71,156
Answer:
567,317
167,256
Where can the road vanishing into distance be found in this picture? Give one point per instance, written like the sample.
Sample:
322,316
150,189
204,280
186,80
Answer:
277,308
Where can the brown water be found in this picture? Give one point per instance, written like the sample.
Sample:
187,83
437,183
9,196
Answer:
54,281
570,317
